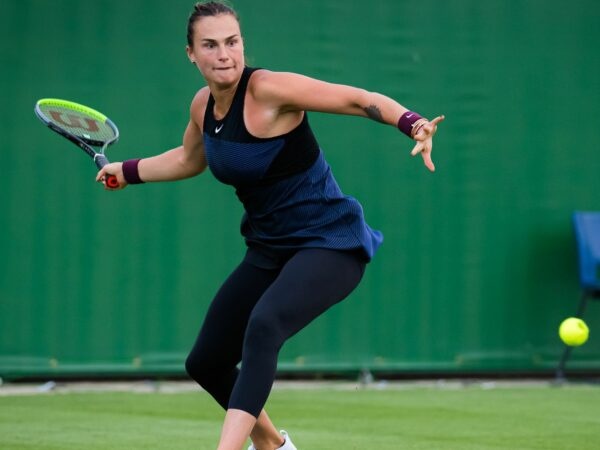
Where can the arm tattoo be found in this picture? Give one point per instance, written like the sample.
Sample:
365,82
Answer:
374,113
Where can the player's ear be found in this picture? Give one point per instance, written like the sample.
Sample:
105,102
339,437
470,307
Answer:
190,54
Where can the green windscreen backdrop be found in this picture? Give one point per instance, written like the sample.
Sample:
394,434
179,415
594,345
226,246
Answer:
478,267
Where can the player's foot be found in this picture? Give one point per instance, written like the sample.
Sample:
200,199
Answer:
287,445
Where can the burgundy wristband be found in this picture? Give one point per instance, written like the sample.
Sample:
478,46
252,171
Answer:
406,122
130,171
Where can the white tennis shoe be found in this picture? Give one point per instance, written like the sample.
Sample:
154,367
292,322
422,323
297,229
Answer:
287,445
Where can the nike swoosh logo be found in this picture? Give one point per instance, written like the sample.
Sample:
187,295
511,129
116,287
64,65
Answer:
219,128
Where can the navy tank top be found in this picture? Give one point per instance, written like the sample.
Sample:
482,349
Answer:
290,197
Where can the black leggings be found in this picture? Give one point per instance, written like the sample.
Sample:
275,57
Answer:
255,312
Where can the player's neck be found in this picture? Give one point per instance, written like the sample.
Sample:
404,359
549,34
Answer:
223,96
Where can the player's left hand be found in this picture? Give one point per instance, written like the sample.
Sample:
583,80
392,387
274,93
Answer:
424,138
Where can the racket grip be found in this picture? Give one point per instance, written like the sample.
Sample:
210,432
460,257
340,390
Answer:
110,180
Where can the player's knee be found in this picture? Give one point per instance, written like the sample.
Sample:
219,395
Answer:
199,370
264,331
191,367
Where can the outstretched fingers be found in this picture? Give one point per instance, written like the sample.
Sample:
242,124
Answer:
418,148
428,162
437,120
424,141
429,128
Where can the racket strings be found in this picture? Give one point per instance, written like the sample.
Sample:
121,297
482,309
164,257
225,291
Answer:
79,123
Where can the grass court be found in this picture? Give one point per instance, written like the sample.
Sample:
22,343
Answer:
440,416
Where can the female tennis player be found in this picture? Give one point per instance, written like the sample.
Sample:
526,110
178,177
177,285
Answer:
307,243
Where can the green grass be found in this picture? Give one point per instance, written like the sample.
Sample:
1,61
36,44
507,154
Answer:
511,418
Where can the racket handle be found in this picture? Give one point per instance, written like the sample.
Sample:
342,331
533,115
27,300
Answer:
110,180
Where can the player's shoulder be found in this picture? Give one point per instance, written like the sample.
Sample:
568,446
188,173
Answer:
198,106
264,77
267,84
201,98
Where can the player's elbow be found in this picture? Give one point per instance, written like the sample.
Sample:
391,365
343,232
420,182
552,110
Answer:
190,164
192,167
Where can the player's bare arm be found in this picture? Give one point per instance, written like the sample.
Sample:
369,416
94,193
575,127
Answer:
184,161
179,163
289,92
294,92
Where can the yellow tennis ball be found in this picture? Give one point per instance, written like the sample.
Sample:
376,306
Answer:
573,332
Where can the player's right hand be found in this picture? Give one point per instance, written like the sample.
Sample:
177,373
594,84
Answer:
115,169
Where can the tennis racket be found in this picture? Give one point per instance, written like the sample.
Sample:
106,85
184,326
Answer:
83,126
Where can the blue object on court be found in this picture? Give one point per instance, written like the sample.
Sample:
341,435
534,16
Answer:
587,234
586,225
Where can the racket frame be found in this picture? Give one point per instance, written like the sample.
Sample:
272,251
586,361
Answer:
83,143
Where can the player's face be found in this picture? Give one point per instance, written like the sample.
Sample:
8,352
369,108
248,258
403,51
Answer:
218,49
